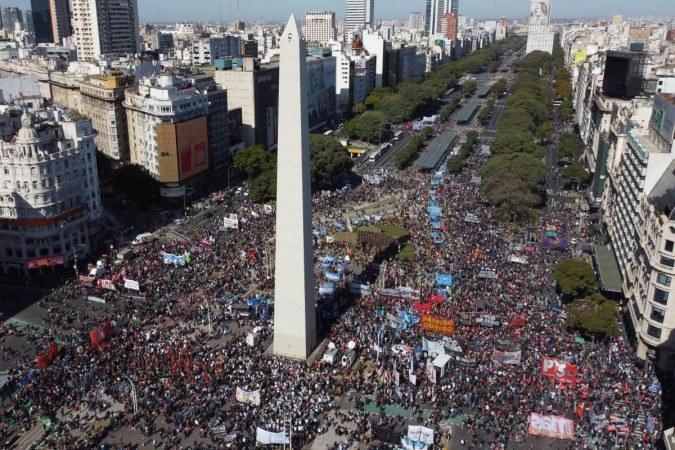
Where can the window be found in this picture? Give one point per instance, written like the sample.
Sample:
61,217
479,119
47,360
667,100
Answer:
669,246
668,262
660,296
31,253
658,314
44,252
654,331
663,279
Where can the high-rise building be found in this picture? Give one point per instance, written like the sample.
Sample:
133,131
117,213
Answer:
359,14
10,16
29,22
416,21
101,99
448,26
454,7
294,291
207,50
168,121
624,74
540,34
49,193
60,18
617,19
106,27
42,21
320,28
434,13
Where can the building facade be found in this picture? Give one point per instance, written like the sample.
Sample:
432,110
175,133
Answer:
434,13
168,131
320,28
449,26
60,19
540,34
206,51
49,193
42,21
359,14
102,100
11,15
106,28
416,21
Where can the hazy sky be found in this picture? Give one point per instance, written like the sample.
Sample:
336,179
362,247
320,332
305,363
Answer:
210,10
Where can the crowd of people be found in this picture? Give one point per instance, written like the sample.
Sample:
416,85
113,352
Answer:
152,339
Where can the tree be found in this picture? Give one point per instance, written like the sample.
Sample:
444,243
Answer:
136,183
499,87
576,172
544,131
409,154
509,193
428,132
469,88
595,315
254,160
566,110
359,108
328,159
370,126
570,146
528,168
376,96
576,278
486,112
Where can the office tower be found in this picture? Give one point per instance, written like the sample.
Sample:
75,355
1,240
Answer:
106,27
60,18
416,21
10,16
29,22
42,21
294,292
435,11
320,28
448,26
359,14
540,35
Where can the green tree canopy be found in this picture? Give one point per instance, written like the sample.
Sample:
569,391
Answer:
576,279
328,160
370,126
528,168
576,172
595,315
570,146
469,88
498,87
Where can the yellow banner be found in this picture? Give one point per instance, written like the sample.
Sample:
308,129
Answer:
438,325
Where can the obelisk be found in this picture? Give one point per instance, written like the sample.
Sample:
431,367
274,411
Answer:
294,310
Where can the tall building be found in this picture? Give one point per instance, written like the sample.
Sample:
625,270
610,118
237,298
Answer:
320,28
42,21
454,7
29,22
102,99
449,26
168,121
294,291
359,14
434,13
207,50
540,34
416,21
49,192
106,27
60,18
638,209
10,16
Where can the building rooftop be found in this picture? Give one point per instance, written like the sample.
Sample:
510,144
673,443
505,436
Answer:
610,277
663,194
436,150
641,140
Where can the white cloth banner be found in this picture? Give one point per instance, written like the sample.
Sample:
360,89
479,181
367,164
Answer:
551,426
131,284
267,437
108,284
421,434
433,347
252,397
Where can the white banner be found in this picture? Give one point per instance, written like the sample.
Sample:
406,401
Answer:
421,434
131,284
397,378
434,348
252,397
267,437
108,284
95,299
431,371
501,357
551,426
361,289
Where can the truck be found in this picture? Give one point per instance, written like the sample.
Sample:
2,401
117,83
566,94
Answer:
332,354
375,155
141,238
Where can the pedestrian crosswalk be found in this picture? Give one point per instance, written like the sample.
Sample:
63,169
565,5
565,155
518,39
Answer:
175,235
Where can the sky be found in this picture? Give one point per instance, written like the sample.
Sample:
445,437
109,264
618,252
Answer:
251,10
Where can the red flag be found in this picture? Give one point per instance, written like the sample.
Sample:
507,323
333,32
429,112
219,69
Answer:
94,337
43,361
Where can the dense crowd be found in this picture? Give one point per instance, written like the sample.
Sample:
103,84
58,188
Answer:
153,338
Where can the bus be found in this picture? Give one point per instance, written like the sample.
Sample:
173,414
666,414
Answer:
398,135
385,147
373,156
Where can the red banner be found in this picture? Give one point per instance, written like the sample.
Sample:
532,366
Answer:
422,307
438,325
518,322
560,371
99,335
44,361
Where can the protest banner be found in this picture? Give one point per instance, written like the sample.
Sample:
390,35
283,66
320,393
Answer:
251,397
551,426
438,325
443,279
268,437
420,433
558,370
360,289
131,284
501,357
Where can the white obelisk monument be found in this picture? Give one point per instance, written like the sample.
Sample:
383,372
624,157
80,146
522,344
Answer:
294,310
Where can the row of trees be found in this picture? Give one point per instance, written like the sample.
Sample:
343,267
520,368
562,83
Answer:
514,178
409,154
486,112
416,96
328,160
457,162
587,309
563,88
